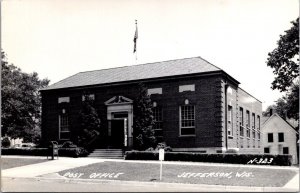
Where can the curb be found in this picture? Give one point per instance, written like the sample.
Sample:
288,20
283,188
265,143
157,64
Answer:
226,188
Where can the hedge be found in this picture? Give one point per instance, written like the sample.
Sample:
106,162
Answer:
65,152
280,160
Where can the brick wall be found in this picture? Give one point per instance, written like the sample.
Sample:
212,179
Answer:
208,99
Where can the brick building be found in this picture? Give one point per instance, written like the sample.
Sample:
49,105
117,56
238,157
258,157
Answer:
197,106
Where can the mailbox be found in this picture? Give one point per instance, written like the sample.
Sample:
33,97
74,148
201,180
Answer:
53,149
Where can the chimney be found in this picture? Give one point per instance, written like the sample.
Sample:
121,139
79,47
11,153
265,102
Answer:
271,112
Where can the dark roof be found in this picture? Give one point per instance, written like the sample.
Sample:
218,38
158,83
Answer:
137,72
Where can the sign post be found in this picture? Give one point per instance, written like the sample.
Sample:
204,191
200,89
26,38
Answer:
161,158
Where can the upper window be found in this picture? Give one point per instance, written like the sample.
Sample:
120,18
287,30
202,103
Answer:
190,87
154,91
90,97
247,119
248,123
241,122
63,99
187,120
230,122
258,127
258,122
158,121
241,116
253,121
270,137
280,137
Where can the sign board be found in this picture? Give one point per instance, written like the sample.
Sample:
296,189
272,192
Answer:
161,154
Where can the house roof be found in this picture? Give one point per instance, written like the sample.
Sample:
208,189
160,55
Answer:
276,115
169,68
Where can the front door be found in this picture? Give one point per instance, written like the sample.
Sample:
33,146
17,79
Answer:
117,134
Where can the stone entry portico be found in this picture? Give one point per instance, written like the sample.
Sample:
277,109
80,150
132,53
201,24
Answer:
120,120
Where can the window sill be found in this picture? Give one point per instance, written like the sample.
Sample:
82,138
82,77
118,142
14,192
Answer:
187,136
242,137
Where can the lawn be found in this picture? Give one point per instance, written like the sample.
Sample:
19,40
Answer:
217,175
7,163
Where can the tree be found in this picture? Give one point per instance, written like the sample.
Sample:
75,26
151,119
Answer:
279,108
288,105
292,102
143,131
21,102
89,121
284,59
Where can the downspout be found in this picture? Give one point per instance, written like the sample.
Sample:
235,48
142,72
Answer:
226,110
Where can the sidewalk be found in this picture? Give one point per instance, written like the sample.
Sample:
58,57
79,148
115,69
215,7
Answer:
51,166
48,171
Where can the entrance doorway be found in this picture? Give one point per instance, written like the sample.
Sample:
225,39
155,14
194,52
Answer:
117,133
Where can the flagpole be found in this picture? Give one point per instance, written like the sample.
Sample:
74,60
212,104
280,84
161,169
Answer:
135,41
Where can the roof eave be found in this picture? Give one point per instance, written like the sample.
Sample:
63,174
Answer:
210,73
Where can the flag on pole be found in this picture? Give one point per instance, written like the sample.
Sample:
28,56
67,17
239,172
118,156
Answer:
135,37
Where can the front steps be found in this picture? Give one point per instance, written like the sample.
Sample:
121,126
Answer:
107,154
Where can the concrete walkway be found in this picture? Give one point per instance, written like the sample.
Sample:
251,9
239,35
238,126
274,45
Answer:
63,163
51,166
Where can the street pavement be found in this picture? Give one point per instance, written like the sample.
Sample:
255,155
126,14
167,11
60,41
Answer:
37,175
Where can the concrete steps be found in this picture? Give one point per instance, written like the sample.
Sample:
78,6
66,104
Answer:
107,153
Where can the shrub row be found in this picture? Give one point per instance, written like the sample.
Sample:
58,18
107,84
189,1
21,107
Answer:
65,152
280,160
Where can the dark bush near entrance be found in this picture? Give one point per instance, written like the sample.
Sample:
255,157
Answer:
281,160
64,152
5,142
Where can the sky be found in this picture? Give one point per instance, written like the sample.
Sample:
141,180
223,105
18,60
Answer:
59,38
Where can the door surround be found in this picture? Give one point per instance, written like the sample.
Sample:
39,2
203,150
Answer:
119,104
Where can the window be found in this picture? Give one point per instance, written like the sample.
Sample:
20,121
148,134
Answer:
285,150
158,120
63,99
241,122
253,121
280,137
64,131
90,96
266,150
248,123
247,119
154,91
253,134
190,87
187,122
230,122
258,127
270,137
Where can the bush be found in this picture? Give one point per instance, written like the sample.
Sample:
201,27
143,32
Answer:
164,146
68,144
5,142
161,145
64,152
281,160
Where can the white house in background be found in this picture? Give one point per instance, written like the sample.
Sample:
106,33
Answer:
279,137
